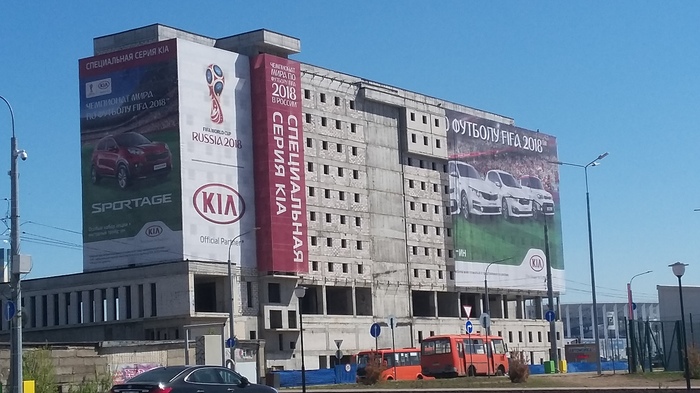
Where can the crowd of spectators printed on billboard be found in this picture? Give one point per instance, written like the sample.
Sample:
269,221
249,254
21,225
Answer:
518,165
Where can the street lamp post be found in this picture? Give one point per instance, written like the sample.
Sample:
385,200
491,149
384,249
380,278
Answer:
299,292
596,334
630,304
550,295
15,277
632,366
679,270
230,284
487,310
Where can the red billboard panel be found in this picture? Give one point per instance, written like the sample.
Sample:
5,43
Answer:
278,150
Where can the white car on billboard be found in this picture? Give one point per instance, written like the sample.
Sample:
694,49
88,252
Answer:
470,194
515,201
544,203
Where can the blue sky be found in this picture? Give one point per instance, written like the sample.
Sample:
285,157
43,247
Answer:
619,77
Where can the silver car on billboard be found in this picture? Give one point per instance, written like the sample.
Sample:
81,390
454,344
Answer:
515,201
470,194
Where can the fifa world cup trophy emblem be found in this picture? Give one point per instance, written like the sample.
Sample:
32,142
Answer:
215,80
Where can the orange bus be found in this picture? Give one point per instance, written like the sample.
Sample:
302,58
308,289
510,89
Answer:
457,355
402,364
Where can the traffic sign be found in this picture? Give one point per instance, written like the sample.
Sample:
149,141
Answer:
634,306
550,316
485,320
339,354
611,320
230,342
467,310
9,310
374,330
338,343
469,327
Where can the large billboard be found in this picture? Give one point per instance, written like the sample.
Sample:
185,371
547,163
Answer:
279,164
504,197
217,155
130,157
167,156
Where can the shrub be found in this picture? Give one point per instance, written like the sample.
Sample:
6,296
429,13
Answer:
38,366
518,371
373,370
694,362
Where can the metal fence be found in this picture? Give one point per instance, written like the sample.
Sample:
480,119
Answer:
659,344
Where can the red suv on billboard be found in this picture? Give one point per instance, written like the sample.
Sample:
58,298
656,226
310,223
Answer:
129,156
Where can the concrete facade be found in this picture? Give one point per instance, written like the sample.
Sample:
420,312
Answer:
380,241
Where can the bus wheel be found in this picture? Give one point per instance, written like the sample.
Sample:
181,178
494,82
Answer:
471,372
390,378
420,376
500,371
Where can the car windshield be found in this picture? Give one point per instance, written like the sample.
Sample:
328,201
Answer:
534,182
509,180
158,375
468,171
131,139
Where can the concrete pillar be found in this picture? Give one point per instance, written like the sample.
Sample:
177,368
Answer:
122,303
594,325
324,299
86,307
110,304
519,307
434,303
581,335
354,301
50,310
538,308
39,311
503,308
147,299
99,306
62,311
605,318
567,315
73,308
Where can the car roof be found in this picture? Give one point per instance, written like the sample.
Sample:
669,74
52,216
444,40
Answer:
499,171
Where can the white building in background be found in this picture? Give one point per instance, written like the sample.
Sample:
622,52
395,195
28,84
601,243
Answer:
577,319
380,236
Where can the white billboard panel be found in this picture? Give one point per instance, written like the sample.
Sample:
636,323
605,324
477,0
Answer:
217,154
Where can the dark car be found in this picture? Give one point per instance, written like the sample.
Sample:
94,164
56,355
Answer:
129,156
190,379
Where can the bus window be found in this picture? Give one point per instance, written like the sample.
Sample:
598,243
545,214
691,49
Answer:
362,360
389,359
499,347
428,347
443,346
414,358
478,346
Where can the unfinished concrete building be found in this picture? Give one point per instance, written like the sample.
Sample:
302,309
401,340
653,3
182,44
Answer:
381,228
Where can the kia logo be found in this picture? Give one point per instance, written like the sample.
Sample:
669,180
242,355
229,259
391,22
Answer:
218,203
154,230
536,263
103,84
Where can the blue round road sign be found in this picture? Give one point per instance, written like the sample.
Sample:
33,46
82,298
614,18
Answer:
375,329
549,316
9,310
634,306
230,342
469,327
